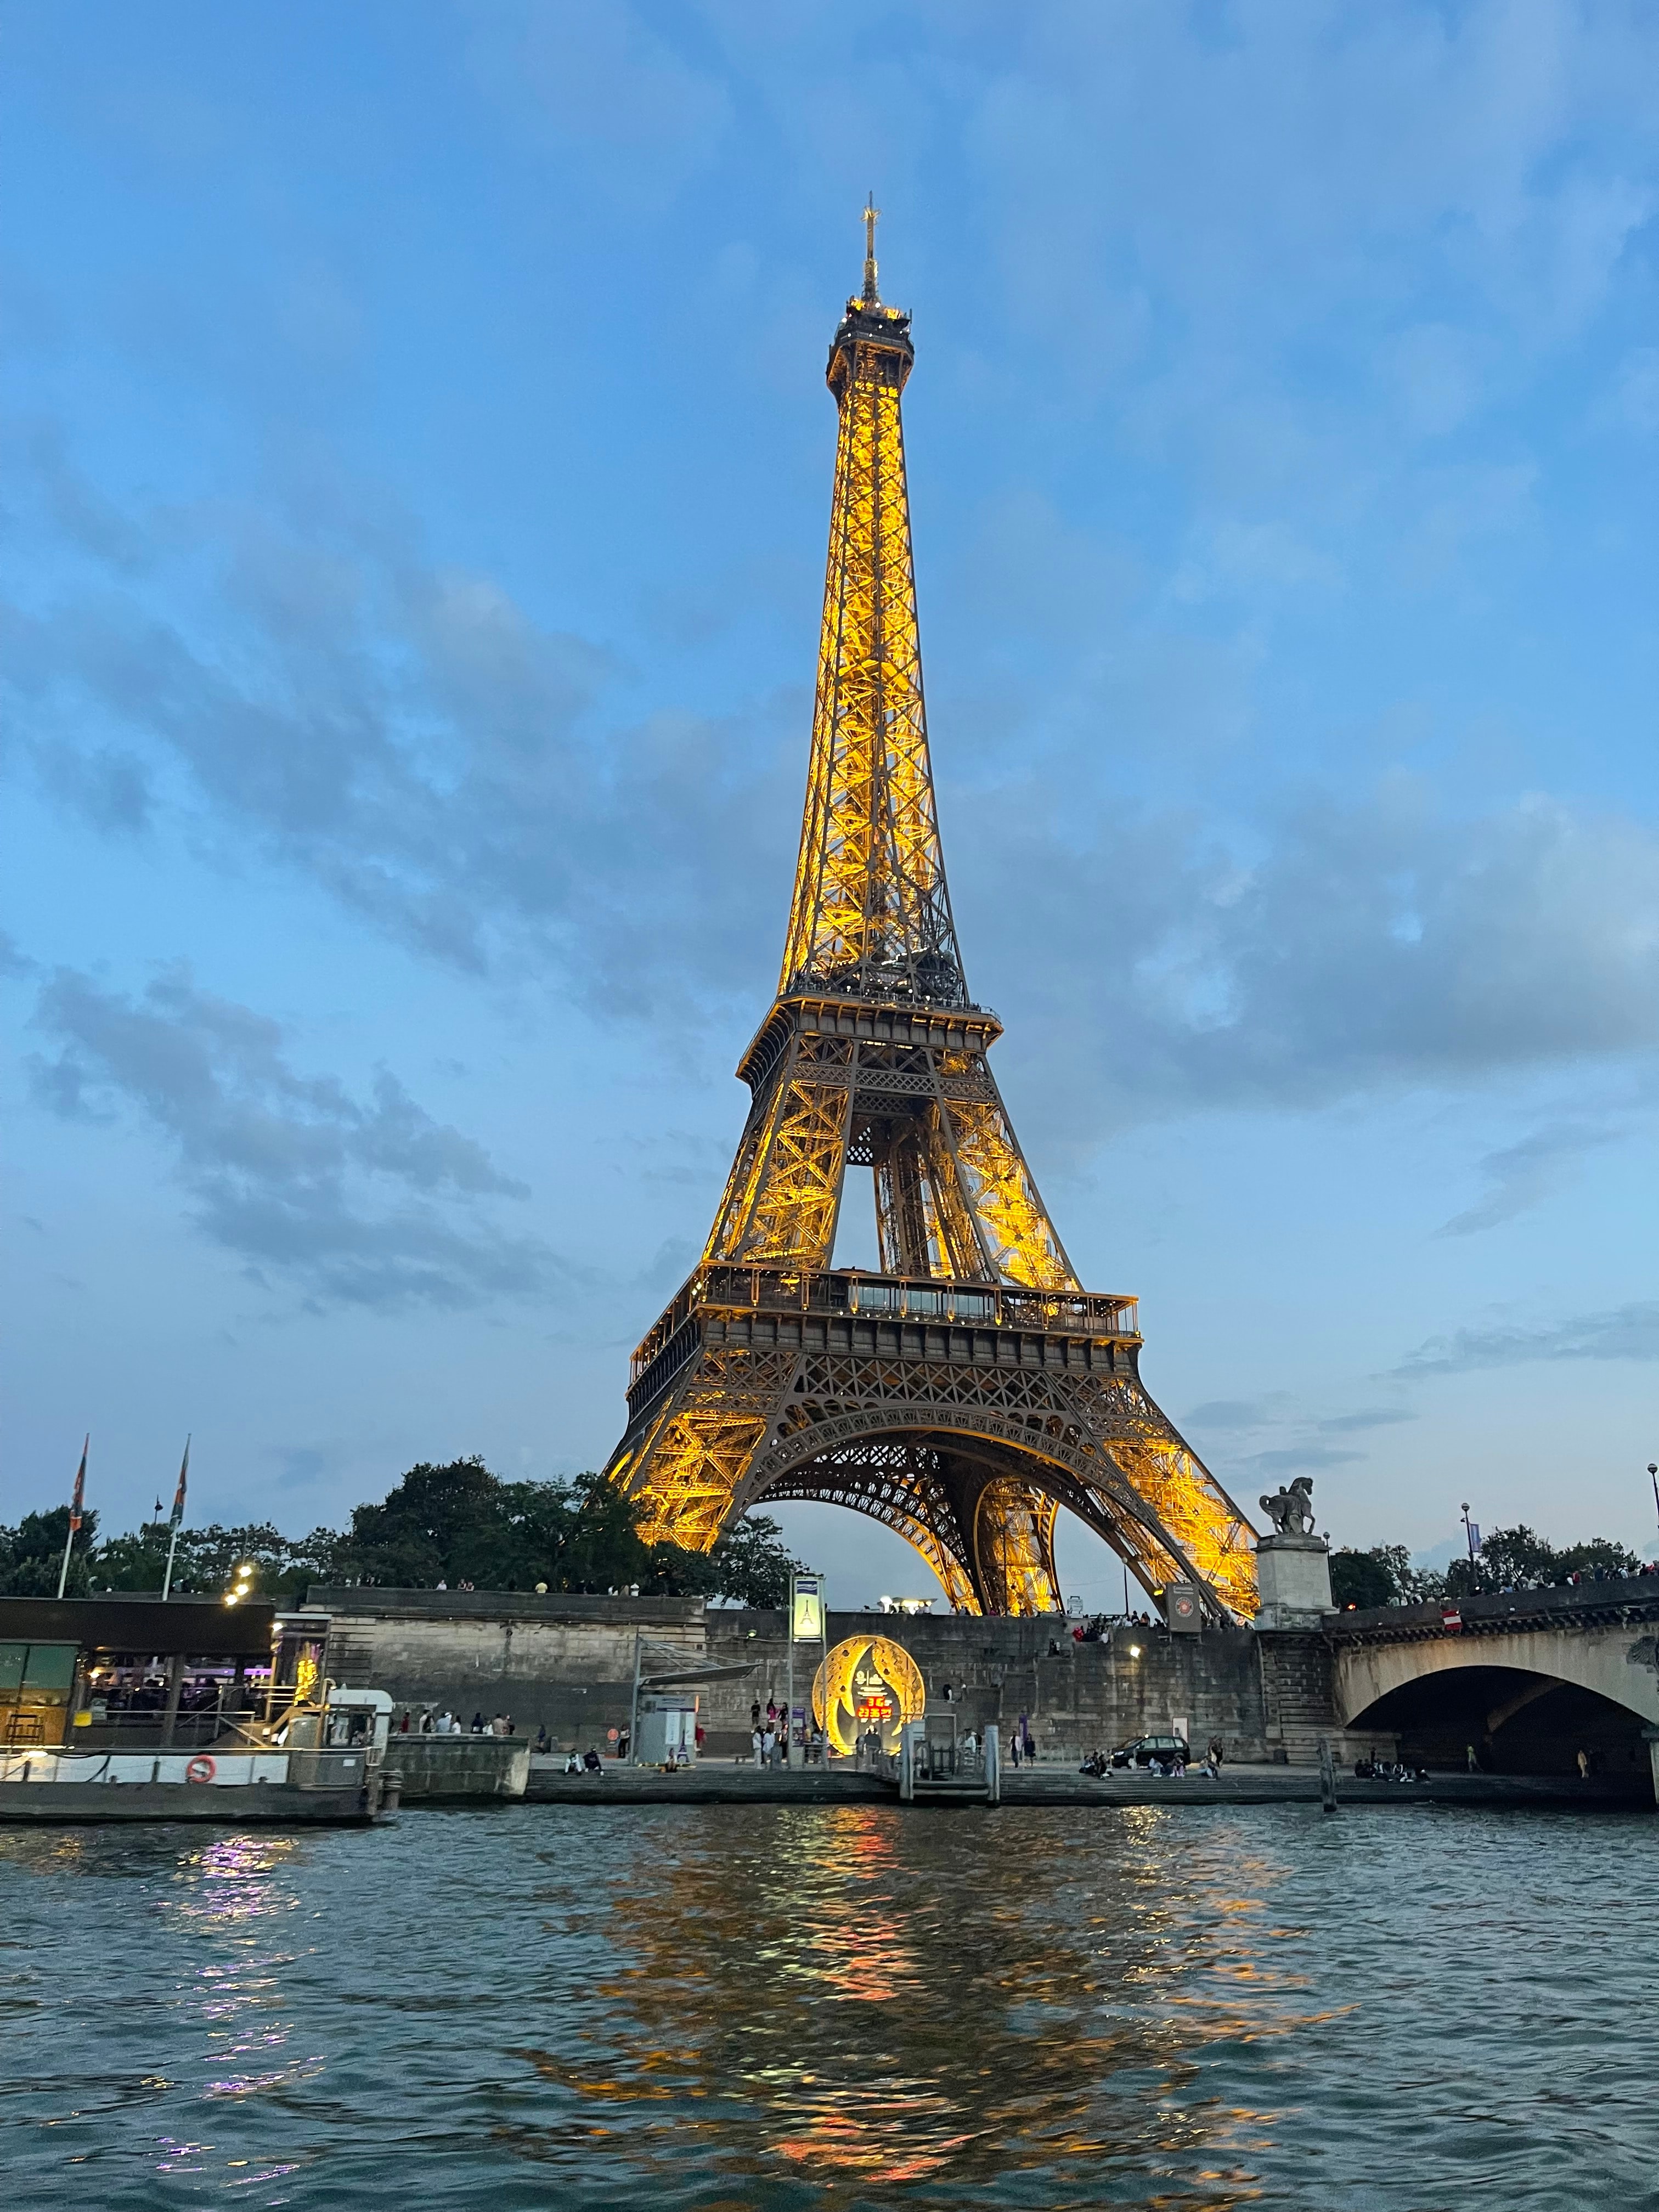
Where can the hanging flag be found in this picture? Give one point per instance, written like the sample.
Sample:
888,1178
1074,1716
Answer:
175,1519
76,1503
1474,1540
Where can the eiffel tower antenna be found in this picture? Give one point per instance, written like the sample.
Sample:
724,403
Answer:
970,1389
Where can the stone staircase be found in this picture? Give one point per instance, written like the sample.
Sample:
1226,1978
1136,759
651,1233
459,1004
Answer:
1299,1704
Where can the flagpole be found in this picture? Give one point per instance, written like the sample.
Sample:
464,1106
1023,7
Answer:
75,1515
178,1517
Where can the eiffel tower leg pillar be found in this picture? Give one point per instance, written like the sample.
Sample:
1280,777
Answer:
685,1459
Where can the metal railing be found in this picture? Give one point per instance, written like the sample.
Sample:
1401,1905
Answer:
145,1729
849,1290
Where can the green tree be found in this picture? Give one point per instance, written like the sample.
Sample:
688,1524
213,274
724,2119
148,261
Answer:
1361,1578
1612,1559
451,1523
206,1559
31,1554
137,1561
1413,1585
590,1539
1518,1557
1513,1557
751,1564
436,1524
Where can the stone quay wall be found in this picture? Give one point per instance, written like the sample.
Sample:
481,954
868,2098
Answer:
1075,1697
567,1664
558,1663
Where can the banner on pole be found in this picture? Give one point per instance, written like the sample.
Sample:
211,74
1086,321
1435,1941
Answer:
806,1609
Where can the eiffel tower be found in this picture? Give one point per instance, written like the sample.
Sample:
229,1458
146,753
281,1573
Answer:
970,1390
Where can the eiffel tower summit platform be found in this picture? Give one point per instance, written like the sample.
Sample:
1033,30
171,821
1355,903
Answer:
973,1387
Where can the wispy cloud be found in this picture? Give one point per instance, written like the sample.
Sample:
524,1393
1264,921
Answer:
1297,1459
1372,945
411,741
1629,1332
404,734
1523,1174
1375,1417
1268,1438
359,1201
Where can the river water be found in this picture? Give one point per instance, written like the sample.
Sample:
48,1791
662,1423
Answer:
726,2008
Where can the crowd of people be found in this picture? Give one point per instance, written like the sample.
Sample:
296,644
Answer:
1173,1766
1098,1628
426,1723
768,1736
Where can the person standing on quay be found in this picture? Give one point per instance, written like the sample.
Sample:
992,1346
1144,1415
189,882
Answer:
1218,1751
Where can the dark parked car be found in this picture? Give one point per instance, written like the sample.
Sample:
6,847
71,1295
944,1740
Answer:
1146,1748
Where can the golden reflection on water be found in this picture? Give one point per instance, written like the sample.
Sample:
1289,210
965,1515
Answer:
870,1997
701,2009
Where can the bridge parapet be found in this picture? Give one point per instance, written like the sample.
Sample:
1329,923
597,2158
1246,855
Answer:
1510,1651
1573,1606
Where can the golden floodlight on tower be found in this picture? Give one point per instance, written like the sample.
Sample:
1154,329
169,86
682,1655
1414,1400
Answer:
867,1685
969,1387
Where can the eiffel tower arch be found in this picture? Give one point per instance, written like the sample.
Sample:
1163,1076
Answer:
972,1387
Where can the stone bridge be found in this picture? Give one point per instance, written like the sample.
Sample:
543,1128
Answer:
1527,1679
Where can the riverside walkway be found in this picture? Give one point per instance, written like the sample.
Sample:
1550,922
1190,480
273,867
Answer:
715,1782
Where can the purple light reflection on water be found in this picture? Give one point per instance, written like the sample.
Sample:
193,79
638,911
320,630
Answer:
691,2006
250,2085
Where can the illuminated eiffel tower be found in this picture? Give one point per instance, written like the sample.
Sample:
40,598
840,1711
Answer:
972,1387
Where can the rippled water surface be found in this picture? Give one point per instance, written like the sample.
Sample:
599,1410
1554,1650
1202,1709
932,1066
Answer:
728,2008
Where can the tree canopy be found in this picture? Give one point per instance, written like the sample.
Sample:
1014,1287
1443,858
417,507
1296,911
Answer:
453,1525
1510,1559
461,1523
31,1554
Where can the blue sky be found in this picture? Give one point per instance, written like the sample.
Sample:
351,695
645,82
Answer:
418,475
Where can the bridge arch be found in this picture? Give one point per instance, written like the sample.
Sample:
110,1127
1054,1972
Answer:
1528,1700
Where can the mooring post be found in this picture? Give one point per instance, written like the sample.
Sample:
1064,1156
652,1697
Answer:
175,1685
1327,1776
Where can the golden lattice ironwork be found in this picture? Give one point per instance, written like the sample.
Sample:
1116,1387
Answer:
970,1389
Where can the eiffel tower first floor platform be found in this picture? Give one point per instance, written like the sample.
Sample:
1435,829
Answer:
963,1415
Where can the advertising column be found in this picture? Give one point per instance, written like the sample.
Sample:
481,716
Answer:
806,1625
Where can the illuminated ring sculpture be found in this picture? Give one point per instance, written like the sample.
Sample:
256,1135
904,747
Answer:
200,1768
868,1683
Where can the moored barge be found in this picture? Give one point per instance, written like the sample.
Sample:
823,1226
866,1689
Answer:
140,1710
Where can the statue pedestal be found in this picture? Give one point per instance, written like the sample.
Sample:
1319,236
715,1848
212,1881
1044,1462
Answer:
1293,1577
